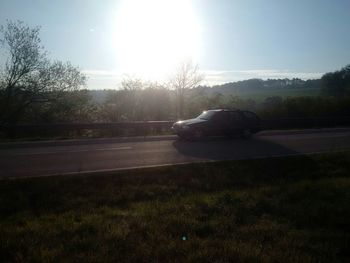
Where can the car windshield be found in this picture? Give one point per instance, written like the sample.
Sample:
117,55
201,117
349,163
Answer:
206,115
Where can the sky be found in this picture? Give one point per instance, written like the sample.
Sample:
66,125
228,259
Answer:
230,40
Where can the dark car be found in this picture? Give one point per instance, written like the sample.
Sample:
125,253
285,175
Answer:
218,123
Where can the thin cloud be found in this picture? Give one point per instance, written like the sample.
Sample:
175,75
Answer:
111,79
102,79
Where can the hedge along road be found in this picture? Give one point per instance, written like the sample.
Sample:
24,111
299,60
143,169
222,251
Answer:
107,155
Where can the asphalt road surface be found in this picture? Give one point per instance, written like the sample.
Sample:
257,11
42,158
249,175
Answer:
97,155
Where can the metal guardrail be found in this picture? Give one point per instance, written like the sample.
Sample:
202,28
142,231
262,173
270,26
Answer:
158,127
294,123
88,129
93,126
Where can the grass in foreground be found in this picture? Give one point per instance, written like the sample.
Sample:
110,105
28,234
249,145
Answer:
293,209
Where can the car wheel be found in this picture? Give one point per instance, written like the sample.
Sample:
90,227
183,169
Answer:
246,134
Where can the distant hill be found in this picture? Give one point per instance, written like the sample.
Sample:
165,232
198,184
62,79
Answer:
252,85
257,89
98,96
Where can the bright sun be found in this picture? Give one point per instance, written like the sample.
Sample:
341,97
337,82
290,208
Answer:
152,37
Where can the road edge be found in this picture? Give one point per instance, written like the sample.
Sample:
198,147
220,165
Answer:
109,172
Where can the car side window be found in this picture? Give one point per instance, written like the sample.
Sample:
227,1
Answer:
250,115
221,117
235,116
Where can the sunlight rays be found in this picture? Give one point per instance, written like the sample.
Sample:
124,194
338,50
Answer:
152,37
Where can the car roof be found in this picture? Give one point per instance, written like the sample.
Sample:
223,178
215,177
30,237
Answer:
224,110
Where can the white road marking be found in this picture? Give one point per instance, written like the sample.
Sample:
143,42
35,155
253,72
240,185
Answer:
76,151
113,170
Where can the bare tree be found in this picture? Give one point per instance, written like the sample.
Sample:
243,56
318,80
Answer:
131,84
186,77
27,74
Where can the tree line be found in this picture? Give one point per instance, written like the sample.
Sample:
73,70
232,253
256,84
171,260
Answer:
36,89
253,85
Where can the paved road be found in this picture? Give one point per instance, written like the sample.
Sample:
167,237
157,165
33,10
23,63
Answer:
61,157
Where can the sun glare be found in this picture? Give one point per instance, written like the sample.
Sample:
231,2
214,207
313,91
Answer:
152,37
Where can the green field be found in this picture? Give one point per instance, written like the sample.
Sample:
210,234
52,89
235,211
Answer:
292,209
262,94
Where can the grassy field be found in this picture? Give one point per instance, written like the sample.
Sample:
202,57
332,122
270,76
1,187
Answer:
292,209
261,95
